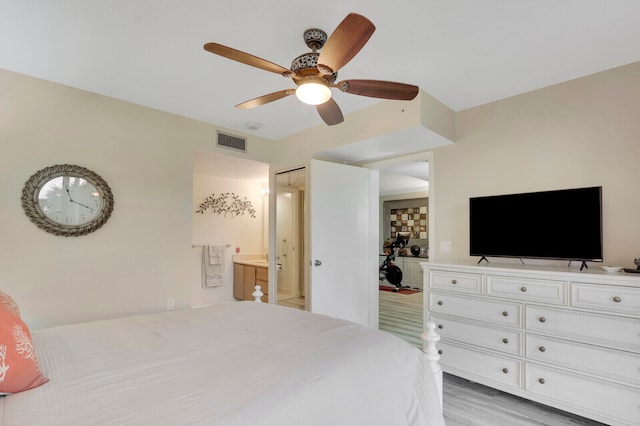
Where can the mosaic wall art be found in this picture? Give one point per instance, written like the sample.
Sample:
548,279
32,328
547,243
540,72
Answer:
412,219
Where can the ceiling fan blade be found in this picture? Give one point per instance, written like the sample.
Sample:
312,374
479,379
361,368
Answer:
345,42
246,58
330,112
265,99
379,89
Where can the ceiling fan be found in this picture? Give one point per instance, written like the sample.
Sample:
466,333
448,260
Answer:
315,73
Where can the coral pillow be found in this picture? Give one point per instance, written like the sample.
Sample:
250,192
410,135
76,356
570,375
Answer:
7,303
19,367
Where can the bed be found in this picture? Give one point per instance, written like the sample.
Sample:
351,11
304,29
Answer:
236,363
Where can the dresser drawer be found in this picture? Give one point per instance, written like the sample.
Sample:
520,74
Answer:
609,363
618,299
474,364
503,340
606,330
606,400
456,281
531,290
497,312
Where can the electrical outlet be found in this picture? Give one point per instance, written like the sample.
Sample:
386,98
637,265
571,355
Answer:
171,304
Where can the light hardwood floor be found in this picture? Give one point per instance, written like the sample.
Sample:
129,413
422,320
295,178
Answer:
401,314
467,403
470,404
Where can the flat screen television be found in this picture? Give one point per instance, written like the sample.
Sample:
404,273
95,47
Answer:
562,225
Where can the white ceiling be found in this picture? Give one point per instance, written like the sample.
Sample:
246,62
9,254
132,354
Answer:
463,52
404,178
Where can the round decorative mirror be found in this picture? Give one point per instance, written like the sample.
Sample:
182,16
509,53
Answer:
67,200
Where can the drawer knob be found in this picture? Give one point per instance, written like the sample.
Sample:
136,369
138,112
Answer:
454,281
542,349
505,341
523,289
617,299
542,319
440,302
440,326
505,314
541,381
505,370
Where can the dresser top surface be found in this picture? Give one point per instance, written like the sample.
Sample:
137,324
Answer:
572,273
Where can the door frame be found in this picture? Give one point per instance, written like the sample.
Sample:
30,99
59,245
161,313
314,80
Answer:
375,227
431,194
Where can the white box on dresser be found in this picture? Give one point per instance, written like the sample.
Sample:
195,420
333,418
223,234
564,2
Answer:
558,336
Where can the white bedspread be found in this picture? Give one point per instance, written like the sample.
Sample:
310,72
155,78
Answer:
239,363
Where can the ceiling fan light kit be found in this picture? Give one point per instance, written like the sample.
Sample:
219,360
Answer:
313,92
315,73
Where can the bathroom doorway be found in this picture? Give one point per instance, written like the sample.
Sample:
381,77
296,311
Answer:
290,238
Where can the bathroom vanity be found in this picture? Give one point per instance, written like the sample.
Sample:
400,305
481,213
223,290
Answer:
247,273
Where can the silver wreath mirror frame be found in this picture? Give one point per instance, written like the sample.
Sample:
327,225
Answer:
33,186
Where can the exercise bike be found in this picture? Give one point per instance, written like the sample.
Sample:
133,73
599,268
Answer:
388,270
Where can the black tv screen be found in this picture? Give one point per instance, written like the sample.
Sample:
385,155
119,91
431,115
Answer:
563,224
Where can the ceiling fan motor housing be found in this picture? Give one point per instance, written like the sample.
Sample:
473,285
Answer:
304,62
307,64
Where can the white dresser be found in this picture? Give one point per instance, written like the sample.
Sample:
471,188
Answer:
557,336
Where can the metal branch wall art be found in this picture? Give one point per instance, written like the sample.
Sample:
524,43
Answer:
227,202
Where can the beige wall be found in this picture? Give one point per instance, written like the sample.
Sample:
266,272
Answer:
581,133
143,254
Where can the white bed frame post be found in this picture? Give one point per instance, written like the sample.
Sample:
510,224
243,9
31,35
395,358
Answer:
430,338
257,294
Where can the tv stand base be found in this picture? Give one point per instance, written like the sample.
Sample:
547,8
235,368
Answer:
583,265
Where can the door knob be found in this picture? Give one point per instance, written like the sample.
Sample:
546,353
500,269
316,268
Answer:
317,262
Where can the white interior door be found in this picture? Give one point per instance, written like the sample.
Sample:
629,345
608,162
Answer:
343,227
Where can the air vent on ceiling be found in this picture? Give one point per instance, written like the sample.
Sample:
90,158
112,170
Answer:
232,142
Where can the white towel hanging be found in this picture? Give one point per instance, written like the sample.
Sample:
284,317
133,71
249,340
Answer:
213,266
215,254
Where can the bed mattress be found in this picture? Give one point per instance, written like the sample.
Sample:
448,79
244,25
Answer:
237,363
